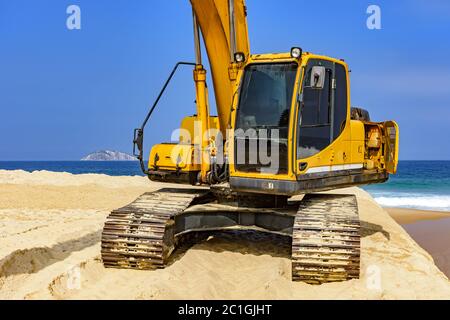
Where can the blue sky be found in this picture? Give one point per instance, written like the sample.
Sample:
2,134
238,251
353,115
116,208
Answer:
65,93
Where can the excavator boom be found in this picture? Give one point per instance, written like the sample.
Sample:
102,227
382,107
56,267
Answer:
213,18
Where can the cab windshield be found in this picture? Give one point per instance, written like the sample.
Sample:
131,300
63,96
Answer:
266,97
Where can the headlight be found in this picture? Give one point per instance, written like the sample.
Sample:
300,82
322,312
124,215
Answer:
239,57
296,52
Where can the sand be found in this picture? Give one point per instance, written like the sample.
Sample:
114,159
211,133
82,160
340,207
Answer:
50,226
407,216
430,229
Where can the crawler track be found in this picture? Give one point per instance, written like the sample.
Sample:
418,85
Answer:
140,235
326,239
325,231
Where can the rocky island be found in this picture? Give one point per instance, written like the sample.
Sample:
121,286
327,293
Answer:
108,155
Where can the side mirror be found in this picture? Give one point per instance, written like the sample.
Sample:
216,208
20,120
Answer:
318,77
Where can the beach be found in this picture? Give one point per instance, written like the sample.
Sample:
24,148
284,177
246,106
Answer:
430,229
50,227
408,216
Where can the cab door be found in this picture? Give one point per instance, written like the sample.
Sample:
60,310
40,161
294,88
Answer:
322,118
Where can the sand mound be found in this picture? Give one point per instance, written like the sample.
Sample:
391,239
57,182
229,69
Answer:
50,225
48,178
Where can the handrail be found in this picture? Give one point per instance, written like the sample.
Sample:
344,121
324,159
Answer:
138,138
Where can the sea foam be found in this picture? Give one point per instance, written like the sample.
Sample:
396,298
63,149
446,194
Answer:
428,202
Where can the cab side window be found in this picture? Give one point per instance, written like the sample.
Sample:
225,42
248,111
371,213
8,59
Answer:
340,101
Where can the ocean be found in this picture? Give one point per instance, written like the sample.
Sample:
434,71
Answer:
418,184
111,168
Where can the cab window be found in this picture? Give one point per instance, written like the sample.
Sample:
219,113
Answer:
340,101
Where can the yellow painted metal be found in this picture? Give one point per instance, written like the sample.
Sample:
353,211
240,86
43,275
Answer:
391,151
213,19
190,129
203,118
185,155
357,141
175,157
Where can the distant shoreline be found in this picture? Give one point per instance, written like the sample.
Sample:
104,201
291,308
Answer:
411,215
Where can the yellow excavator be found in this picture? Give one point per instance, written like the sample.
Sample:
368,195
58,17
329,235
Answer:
285,132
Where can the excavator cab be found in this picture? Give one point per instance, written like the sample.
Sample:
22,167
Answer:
294,132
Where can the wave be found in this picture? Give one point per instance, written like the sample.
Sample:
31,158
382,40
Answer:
428,202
